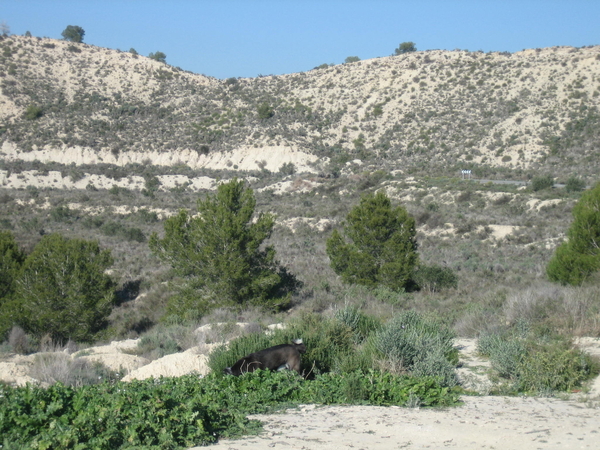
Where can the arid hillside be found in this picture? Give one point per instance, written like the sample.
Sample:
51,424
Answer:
500,114
104,145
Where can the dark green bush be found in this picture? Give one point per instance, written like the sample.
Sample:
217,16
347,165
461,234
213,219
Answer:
406,47
435,278
541,182
287,168
218,255
33,112
158,56
11,260
73,33
377,246
579,257
63,290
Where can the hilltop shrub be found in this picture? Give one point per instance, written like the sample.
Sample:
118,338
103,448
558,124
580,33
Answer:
406,47
73,33
158,56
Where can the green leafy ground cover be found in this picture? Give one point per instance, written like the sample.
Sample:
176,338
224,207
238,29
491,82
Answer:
172,413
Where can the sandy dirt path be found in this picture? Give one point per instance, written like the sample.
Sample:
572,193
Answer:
481,423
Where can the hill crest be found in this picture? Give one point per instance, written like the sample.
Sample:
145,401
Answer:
534,110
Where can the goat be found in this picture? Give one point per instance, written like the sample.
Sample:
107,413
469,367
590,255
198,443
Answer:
279,357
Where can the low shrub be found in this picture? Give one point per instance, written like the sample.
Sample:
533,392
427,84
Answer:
58,367
411,341
164,339
536,362
555,367
575,184
505,353
20,342
227,354
361,324
436,365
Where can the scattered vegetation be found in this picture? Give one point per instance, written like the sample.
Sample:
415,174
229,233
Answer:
368,330
542,182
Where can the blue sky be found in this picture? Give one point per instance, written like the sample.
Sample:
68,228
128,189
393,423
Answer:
235,38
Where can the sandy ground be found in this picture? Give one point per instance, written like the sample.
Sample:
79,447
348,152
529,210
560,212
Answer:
481,423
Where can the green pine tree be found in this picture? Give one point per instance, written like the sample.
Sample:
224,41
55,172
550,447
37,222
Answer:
377,246
579,257
218,255
63,290
11,260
